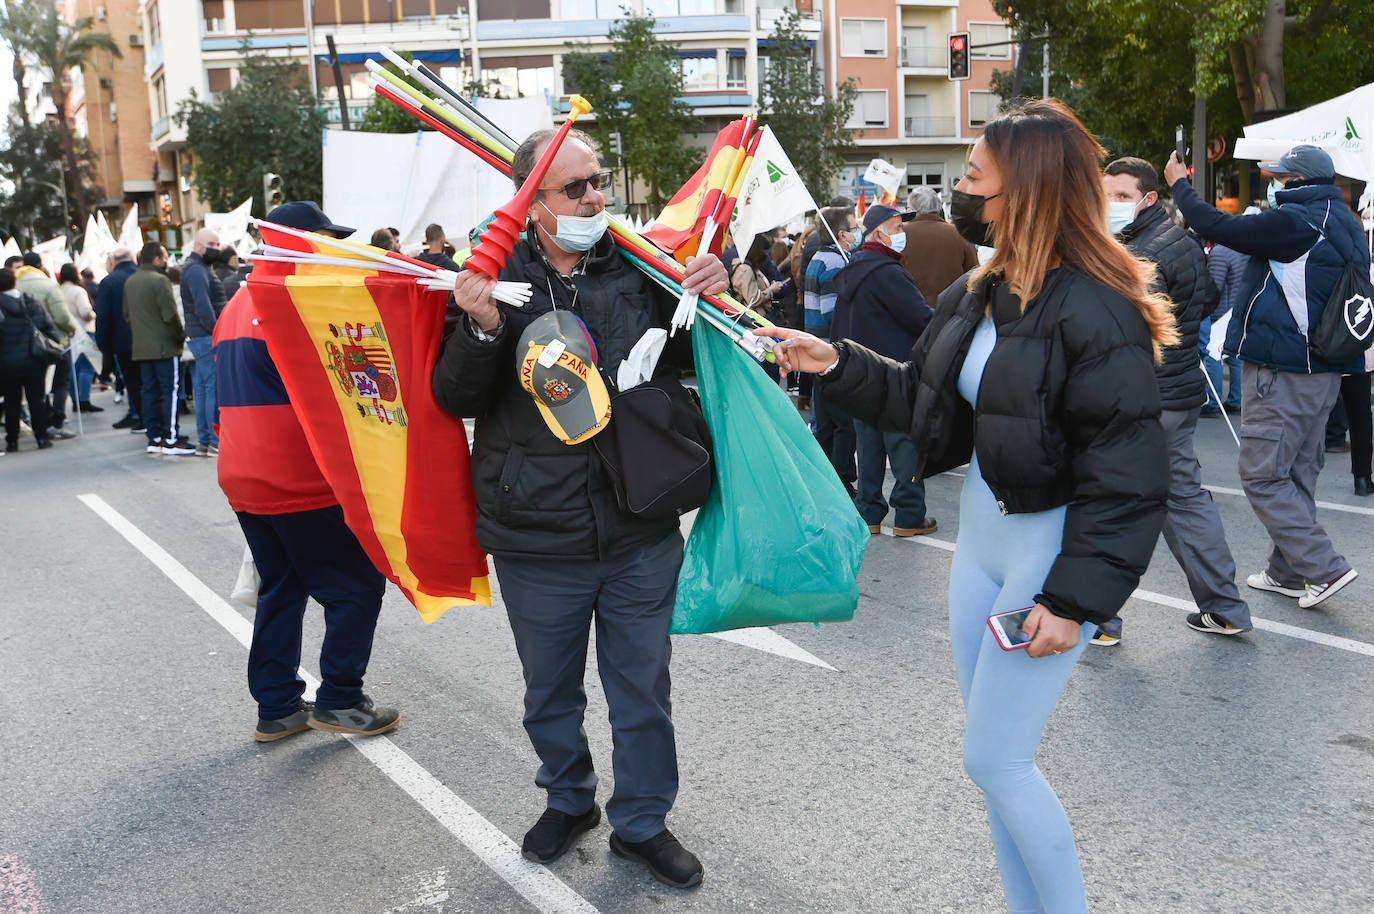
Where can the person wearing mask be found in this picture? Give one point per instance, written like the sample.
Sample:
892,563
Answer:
1301,246
83,319
1037,370
833,427
21,375
935,254
112,334
150,307
437,248
32,280
1192,528
878,306
295,529
226,269
202,300
748,280
565,552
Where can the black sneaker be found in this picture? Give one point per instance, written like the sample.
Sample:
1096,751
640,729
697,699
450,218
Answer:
363,719
86,406
668,861
139,428
1206,622
178,449
272,730
126,422
555,832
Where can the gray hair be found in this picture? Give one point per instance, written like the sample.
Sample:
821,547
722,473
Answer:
121,254
924,200
528,153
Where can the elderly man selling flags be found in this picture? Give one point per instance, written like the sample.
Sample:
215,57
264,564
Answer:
564,549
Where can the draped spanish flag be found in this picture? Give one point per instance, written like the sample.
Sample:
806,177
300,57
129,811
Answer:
355,349
680,225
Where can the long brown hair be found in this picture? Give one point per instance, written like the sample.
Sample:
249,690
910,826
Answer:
1055,209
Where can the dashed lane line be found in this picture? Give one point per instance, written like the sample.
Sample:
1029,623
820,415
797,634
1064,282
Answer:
536,884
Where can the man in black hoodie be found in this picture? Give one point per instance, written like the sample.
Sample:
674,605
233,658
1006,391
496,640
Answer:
878,305
1193,527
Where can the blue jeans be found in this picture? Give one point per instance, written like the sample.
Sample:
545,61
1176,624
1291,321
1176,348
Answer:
203,348
908,499
551,604
85,374
300,555
1215,371
1009,696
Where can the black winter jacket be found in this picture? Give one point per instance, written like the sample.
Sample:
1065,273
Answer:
17,312
877,303
1184,277
537,496
1068,413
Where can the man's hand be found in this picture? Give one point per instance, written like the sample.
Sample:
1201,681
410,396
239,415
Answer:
1174,169
705,275
1050,634
799,351
472,293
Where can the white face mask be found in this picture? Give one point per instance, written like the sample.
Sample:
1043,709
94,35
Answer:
1274,188
1120,213
578,233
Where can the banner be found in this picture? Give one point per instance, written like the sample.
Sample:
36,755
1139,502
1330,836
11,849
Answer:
773,192
130,236
355,349
232,227
884,175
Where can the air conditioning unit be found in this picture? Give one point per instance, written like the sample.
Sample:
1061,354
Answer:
114,112
136,39
106,82
100,13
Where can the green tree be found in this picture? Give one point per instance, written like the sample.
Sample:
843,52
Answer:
59,47
636,91
27,157
268,122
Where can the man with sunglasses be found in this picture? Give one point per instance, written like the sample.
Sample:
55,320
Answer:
564,550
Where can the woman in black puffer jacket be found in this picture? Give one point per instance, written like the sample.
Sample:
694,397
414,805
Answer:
1038,370
21,375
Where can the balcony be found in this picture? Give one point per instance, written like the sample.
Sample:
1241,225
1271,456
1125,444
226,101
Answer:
161,127
923,57
152,59
809,23
928,126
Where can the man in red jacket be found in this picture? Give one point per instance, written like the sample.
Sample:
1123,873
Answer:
296,532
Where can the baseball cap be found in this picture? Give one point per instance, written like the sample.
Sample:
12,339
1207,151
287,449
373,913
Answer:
556,361
307,216
880,213
1303,162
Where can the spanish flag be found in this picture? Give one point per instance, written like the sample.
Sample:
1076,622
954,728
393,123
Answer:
355,348
682,222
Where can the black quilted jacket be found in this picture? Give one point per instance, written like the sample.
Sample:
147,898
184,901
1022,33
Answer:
1068,413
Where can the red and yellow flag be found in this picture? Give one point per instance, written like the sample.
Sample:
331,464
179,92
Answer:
355,349
679,226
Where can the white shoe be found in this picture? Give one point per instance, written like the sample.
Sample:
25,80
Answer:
1317,593
119,398
1262,581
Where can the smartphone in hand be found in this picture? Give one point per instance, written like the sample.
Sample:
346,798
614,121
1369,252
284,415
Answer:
1007,628
1181,144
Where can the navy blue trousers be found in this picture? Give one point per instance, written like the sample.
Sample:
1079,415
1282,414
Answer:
300,555
551,604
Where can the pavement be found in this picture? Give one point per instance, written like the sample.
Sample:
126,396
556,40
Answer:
820,768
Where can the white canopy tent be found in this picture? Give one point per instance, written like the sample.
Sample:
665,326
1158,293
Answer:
1343,126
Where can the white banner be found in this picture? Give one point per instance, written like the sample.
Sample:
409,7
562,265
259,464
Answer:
12,248
232,227
885,175
408,180
54,254
773,193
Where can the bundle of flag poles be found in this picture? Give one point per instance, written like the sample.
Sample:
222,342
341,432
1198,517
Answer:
458,119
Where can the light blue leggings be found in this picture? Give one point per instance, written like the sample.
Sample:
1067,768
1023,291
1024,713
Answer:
1000,564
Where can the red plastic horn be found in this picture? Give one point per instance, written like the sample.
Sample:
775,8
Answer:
501,234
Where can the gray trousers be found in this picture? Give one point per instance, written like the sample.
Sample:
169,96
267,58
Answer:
1192,528
1282,450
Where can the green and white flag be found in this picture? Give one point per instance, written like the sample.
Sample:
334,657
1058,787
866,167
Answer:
772,194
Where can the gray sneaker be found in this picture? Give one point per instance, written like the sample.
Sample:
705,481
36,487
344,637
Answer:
61,434
363,719
271,730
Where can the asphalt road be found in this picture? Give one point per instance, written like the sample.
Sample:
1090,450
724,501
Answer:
1202,774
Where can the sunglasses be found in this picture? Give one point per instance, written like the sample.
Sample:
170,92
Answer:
576,189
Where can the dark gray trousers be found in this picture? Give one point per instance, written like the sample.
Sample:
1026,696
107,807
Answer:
551,604
1282,450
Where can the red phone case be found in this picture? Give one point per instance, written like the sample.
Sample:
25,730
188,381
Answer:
995,632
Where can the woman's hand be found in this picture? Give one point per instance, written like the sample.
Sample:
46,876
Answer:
1050,634
797,350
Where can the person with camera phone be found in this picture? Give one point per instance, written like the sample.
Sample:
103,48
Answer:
1037,370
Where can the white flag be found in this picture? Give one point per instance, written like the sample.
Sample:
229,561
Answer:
885,175
130,236
772,194
232,227
12,248
1218,336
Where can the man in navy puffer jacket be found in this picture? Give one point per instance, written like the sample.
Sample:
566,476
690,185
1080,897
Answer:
1300,248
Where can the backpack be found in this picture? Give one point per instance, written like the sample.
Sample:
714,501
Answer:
1346,327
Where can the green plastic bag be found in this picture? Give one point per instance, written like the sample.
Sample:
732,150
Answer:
778,539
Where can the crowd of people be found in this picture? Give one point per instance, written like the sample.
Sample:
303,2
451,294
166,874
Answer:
1051,334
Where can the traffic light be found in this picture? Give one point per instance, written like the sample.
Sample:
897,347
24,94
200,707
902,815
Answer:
272,194
617,146
958,55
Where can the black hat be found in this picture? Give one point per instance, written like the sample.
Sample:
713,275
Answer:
307,216
879,213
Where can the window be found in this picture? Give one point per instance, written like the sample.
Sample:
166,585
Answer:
870,109
863,37
926,174
982,107
154,25
259,15
530,76
218,79
357,86
677,7
590,9
212,11
699,73
980,33
160,94
734,73
512,9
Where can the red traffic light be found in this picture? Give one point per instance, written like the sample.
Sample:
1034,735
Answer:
956,42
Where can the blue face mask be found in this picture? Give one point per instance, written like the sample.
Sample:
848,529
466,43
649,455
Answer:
898,243
1274,188
858,241
578,233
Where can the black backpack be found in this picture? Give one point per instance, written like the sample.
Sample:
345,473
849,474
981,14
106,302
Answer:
1346,327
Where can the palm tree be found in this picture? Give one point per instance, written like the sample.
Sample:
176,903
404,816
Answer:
15,31
58,46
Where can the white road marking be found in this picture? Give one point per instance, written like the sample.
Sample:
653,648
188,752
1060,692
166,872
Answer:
431,892
765,639
1149,596
537,885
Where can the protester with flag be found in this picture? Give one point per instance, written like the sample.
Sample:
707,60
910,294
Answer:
565,550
